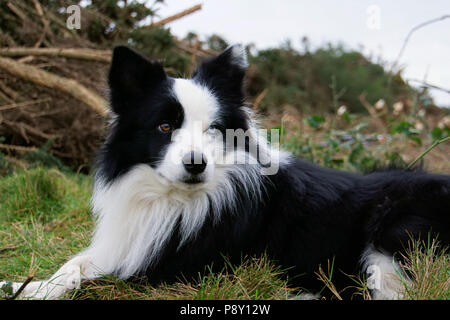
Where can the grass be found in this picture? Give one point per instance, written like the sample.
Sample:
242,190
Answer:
43,214
428,265
45,218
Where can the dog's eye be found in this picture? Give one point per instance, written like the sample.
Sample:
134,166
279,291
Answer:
213,128
165,127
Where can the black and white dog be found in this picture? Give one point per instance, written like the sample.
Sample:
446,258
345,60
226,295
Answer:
174,193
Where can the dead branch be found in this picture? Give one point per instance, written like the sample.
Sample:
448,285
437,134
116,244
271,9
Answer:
176,16
10,92
45,24
371,110
83,54
16,11
6,98
188,49
47,79
22,104
17,148
259,98
23,127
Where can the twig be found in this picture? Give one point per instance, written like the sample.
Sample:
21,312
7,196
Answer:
83,54
22,104
427,84
410,33
435,144
6,98
194,55
176,16
184,47
327,279
16,11
10,92
25,127
46,30
259,98
47,79
17,148
22,287
370,109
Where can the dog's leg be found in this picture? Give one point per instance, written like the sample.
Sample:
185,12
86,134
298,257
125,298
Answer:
384,276
68,277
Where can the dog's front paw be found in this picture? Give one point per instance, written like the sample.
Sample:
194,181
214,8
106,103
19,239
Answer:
73,280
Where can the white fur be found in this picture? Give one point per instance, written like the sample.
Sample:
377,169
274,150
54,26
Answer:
200,110
136,213
385,278
239,56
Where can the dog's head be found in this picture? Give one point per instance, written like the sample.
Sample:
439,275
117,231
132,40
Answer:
175,126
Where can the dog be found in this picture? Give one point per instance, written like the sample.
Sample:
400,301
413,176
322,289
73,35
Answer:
173,192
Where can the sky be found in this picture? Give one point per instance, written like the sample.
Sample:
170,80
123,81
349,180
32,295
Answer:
379,27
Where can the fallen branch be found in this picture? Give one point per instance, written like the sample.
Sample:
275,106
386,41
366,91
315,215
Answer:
44,78
17,12
45,24
25,127
200,52
176,16
10,92
22,104
17,148
83,54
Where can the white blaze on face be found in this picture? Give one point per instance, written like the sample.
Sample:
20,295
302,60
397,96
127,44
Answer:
200,108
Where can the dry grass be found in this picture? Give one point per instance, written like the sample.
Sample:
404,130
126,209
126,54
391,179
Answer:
427,265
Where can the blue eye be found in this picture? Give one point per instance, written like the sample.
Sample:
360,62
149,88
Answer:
212,129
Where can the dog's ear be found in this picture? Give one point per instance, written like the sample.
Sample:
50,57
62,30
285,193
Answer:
131,77
225,71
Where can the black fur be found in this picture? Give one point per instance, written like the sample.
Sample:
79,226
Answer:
307,215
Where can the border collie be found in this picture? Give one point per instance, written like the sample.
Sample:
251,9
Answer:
174,193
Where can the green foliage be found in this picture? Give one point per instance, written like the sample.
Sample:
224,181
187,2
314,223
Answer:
322,79
158,43
43,158
216,42
315,121
406,128
439,133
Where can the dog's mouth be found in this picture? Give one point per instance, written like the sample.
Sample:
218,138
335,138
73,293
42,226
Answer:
193,180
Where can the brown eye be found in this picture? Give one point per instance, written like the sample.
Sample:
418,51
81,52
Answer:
165,127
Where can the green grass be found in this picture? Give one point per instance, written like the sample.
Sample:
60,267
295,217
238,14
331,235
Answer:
45,218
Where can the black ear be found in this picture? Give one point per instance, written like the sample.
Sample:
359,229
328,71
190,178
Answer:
225,72
131,77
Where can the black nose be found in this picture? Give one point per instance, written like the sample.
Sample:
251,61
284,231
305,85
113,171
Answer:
194,162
